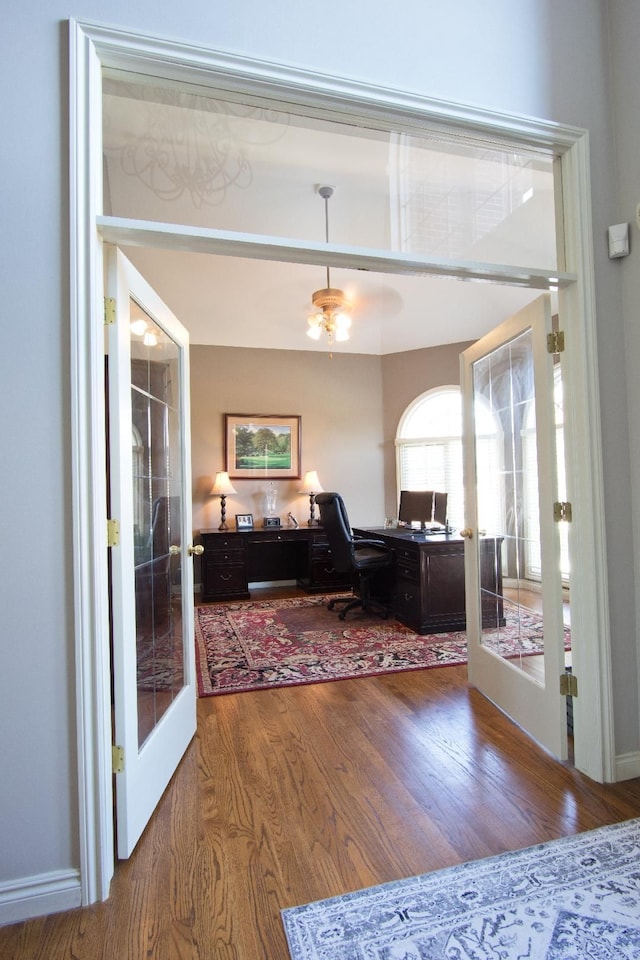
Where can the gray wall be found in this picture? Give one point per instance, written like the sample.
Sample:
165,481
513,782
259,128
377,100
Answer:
537,57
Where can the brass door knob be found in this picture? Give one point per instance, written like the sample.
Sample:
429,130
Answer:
196,551
467,532
174,550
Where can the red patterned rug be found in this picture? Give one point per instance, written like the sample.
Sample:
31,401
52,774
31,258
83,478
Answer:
276,643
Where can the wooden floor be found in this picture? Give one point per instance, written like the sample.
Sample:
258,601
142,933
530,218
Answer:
300,793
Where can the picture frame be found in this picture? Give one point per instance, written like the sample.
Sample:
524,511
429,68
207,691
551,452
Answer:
244,521
263,446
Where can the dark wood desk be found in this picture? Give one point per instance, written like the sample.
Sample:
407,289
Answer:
426,587
233,559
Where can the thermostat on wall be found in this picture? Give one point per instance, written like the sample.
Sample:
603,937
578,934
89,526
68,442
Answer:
618,240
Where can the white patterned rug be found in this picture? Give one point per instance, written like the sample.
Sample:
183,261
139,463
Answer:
577,898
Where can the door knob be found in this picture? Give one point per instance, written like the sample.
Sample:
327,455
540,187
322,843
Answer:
467,532
196,551
174,550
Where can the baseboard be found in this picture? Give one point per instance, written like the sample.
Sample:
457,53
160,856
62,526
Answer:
37,896
627,766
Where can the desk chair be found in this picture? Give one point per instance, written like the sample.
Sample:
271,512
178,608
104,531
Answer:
362,558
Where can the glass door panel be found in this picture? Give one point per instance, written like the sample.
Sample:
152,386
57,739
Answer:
157,485
151,568
503,384
515,633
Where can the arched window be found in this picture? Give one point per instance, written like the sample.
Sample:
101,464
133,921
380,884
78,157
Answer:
429,448
429,453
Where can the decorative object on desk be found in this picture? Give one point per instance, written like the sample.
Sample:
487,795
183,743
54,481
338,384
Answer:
311,485
260,446
222,487
573,897
292,521
332,306
272,522
255,645
270,499
244,521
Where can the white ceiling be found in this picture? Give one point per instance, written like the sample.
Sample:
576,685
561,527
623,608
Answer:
181,158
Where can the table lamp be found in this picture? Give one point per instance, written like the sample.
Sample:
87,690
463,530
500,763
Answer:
221,488
311,485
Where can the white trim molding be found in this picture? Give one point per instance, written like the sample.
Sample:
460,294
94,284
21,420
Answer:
627,766
94,46
36,896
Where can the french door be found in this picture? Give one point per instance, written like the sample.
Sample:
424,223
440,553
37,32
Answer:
516,653
151,576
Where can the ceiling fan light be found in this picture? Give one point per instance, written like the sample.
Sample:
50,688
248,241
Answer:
315,327
138,327
342,321
333,306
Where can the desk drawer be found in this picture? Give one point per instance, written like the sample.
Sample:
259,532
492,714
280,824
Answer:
224,581
323,574
406,600
407,554
224,557
407,572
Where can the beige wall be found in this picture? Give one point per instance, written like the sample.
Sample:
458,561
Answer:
404,377
350,408
340,402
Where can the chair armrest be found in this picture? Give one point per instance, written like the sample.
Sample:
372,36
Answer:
369,543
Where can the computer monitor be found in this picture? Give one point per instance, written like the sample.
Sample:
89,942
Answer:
416,506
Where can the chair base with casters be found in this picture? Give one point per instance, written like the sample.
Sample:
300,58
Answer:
362,598
364,559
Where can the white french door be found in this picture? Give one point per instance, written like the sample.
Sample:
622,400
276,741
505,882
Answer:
516,654
151,576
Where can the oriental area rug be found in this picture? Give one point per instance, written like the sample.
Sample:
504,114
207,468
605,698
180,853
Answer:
260,644
577,898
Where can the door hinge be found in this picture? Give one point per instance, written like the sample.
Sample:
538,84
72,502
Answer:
562,511
555,341
113,533
117,759
109,311
568,685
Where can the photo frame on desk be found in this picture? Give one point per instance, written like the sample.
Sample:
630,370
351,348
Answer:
263,446
244,521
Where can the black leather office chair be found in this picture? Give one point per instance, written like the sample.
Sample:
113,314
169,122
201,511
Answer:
362,558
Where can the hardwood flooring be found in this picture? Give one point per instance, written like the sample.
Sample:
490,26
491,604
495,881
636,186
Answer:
296,794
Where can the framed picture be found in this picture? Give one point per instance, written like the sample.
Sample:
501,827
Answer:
244,521
259,446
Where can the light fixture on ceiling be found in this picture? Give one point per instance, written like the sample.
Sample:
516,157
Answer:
331,304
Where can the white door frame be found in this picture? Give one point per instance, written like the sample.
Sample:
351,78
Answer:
93,46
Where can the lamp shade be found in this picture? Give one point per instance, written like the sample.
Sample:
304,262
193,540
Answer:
311,484
222,485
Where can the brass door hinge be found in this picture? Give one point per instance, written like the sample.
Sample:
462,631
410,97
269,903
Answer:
113,533
562,511
555,341
117,759
109,311
568,685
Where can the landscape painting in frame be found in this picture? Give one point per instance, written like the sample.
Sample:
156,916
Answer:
257,446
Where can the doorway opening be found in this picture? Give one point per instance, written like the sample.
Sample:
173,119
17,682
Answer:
97,47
